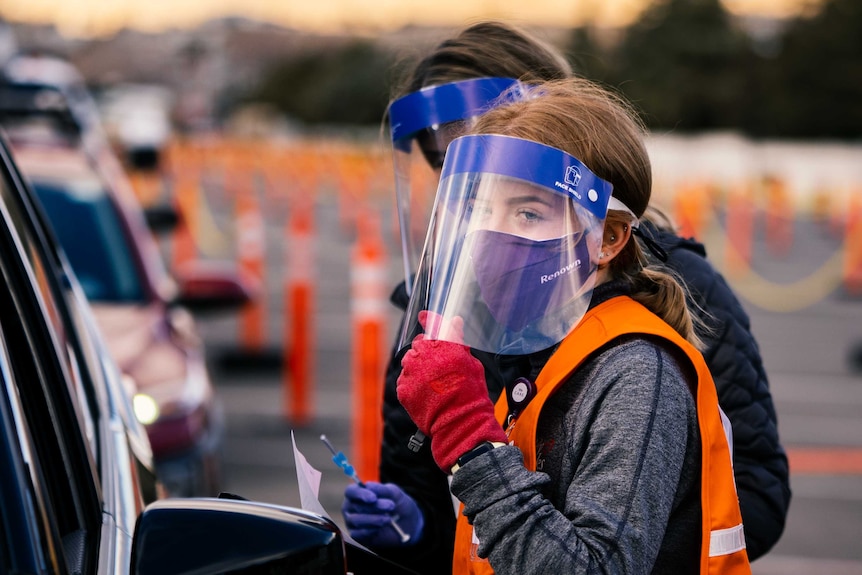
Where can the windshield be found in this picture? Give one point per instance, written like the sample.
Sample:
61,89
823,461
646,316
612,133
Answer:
89,230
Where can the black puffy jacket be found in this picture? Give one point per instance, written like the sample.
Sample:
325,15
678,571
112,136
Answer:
759,461
733,356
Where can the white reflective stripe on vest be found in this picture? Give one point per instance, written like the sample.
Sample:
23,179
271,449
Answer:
726,541
728,431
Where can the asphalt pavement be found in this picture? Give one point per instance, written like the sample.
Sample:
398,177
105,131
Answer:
811,354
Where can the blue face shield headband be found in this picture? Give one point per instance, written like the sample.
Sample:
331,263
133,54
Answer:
437,105
532,162
512,246
426,121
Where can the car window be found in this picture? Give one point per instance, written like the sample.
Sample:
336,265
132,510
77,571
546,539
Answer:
56,405
27,540
88,227
20,218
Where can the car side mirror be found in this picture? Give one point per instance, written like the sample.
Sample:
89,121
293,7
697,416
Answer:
212,286
211,536
161,218
230,534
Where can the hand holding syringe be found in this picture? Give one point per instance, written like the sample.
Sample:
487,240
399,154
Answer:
341,461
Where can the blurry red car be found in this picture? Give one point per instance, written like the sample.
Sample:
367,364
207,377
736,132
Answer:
141,310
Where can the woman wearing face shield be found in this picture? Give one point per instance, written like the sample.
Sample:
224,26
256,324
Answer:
459,80
609,453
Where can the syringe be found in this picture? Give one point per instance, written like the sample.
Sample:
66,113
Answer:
341,461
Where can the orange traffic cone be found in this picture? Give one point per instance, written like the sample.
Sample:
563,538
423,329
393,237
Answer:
299,308
185,199
779,217
251,247
739,228
368,301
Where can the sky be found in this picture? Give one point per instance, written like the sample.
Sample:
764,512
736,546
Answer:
103,17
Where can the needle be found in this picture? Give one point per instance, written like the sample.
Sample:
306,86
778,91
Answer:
341,461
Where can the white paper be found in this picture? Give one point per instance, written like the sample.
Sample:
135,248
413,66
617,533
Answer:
308,480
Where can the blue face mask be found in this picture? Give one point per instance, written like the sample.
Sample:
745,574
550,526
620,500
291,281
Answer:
521,280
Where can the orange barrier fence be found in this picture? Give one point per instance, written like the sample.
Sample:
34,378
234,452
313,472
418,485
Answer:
759,211
299,309
368,309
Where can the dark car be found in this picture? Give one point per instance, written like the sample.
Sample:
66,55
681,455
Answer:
75,464
155,341
57,140
43,83
77,488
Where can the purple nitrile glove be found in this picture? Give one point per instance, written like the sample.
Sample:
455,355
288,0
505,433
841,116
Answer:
368,511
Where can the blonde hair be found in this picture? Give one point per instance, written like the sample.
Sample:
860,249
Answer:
602,130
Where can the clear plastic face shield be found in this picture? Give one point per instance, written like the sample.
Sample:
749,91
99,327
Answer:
512,247
422,125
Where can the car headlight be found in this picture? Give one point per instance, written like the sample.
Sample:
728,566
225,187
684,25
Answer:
146,408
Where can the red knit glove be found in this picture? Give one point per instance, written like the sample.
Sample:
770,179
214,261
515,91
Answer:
443,389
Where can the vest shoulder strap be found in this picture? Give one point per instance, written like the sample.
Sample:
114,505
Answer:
602,324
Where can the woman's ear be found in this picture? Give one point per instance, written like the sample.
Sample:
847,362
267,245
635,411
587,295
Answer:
615,237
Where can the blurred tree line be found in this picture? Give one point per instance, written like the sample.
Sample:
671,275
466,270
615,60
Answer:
687,65
343,85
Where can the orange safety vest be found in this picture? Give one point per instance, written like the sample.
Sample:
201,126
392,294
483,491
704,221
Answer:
723,541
